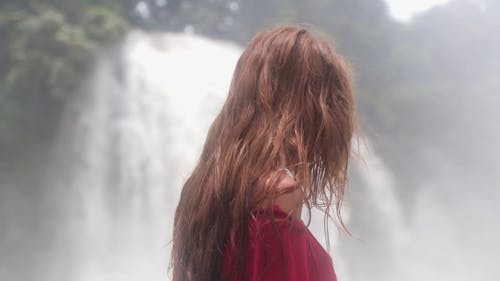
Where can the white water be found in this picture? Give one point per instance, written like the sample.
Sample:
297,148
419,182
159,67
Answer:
133,134
129,139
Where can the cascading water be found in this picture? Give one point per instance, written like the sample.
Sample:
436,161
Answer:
131,136
129,139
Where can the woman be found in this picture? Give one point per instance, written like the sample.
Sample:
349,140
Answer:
281,141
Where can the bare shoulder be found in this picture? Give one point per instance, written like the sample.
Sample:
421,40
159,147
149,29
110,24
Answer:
291,202
291,197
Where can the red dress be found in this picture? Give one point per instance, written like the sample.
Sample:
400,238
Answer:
286,250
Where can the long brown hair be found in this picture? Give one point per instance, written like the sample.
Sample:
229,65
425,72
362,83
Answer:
290,91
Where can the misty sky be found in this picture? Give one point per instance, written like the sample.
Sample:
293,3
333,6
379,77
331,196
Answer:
403,10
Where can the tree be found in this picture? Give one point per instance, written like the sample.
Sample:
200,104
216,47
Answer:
44,51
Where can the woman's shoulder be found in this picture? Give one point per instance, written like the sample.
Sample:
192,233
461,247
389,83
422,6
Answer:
289,196
277,217
276,225
288,243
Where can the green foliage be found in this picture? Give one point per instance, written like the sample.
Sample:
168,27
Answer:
45,47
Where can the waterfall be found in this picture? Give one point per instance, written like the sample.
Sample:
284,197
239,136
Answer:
132,134
129,138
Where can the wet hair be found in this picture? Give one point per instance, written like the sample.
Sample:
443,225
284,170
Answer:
290,91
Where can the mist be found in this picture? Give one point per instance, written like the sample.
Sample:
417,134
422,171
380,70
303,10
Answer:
104,108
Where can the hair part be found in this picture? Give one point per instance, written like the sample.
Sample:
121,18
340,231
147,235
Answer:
292,91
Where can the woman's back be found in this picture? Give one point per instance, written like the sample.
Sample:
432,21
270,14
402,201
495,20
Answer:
279,248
